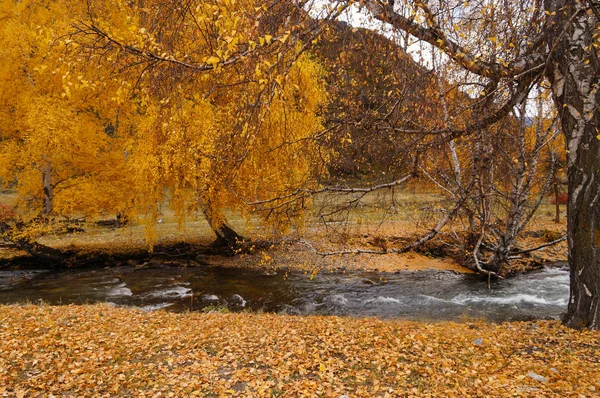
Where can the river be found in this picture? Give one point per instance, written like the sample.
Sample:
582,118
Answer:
422,295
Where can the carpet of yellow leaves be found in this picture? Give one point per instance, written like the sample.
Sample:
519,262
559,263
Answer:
99,350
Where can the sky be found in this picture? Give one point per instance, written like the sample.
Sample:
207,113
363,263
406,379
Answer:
420,52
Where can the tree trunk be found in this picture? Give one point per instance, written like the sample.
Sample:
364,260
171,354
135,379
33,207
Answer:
47,186
575,73
225,235
556,202
46,255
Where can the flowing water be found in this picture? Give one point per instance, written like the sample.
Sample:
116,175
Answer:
424,295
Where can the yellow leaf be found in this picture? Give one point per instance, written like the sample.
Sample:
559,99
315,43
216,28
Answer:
212,60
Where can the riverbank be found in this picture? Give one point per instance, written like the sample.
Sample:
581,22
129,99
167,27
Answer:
102,246
292,255
372,227
105,351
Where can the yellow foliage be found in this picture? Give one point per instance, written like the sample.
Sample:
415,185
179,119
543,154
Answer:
121,134
52,113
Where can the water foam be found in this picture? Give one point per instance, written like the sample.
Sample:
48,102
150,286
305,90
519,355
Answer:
154,307
385,300
521,298
339,299
175,292
428,299
120,291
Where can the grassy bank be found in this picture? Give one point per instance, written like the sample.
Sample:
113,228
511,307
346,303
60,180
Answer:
104,351
379,222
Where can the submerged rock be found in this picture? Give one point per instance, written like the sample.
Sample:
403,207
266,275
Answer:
238,300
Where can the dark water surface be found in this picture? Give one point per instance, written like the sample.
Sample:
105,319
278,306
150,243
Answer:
426,295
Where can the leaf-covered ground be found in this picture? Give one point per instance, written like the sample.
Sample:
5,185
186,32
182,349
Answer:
104,351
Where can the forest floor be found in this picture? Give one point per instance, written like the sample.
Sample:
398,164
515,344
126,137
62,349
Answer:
379,223
99,350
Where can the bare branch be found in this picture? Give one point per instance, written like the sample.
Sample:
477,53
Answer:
305,192
406,248
435,36
554,242
93,29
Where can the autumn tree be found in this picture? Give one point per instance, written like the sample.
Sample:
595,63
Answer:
510,46
58,145
383,106
227,98
196,103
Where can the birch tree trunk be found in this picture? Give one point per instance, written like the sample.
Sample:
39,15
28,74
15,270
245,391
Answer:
575,75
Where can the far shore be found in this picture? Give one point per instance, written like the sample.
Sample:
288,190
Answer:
370,227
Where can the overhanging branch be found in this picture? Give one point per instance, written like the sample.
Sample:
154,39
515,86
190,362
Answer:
435,36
